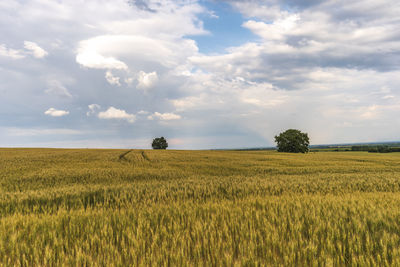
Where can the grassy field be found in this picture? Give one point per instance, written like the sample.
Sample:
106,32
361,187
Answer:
198,208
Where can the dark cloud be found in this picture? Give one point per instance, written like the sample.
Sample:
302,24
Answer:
141,4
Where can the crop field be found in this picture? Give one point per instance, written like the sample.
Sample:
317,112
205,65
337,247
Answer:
63,207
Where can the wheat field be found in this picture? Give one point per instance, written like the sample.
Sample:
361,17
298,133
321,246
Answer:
92,207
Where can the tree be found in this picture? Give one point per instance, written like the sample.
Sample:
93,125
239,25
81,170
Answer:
292,141
159,143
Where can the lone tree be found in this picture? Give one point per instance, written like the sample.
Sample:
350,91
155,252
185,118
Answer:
159,143
292,141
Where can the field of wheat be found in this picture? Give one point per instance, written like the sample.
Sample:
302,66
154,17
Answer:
63,207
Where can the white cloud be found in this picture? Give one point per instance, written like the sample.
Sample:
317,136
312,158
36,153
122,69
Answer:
315,36
55,87
119,114
114,51
182,104
164,116
94,60
147,80
266,10
275,30
111,79
35,50
92,109
143,112
135,40
129,80
190,102
30,47
11,53
171,19
56,112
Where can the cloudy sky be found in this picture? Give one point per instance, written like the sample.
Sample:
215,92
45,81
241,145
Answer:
204,74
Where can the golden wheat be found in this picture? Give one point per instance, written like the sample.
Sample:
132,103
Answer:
208,208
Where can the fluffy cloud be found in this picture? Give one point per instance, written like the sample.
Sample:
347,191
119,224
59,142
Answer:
92,109
10,53
113,51
93,59
189,102
274,31
268,10
35,50
310,39
147,80
111,79
119,114
56,112
164,116
147,43
30,48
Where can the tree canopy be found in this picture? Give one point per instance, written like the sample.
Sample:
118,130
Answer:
159,143
293,141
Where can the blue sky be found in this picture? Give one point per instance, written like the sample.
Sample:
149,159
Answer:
204,74
224,25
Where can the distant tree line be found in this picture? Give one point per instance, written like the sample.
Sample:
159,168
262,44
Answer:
375,149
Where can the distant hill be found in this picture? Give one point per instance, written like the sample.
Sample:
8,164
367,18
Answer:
324,146
390,144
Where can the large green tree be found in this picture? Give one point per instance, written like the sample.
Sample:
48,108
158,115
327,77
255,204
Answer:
159,143
293,141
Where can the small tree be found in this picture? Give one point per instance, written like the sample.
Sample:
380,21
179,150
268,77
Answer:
292,141
159,143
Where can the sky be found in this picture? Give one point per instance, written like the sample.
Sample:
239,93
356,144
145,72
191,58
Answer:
203,74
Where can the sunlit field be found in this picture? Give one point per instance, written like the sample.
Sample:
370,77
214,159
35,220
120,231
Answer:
209,208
